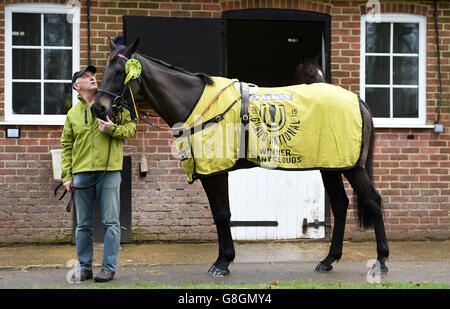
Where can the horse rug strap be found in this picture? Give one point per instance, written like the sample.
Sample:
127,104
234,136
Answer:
301,127
244,117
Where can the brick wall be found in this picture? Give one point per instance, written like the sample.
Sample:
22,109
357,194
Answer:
412,175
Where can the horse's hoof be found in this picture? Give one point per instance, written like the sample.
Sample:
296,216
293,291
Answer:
216,272
384,270
323,268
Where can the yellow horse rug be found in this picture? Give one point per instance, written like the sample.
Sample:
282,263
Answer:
301,127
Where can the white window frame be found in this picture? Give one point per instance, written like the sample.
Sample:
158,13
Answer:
420,121
10,117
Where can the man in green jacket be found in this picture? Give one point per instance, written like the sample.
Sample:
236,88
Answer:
89,144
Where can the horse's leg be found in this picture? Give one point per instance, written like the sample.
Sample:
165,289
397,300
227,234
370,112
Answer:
370,211
216,188
334,187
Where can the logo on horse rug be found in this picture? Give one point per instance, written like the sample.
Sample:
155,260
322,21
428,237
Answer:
301,127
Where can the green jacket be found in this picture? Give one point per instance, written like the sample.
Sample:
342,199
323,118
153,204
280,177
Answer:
85,147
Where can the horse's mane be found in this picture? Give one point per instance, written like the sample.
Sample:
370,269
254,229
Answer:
203,76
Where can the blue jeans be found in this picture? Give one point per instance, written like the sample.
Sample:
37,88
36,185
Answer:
107,193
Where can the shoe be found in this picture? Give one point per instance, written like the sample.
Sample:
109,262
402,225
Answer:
85,274
104,275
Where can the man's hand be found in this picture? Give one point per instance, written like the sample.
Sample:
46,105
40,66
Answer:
104,125
68,185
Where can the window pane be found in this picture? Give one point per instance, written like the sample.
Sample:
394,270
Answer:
26,63
26,98
57,31
377,37
378,101
406,70
406,103
377,70
406,38
58,64
26,29
57,98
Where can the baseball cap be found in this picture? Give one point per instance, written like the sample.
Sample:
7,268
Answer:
89,68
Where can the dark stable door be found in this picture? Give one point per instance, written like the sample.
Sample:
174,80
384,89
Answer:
265,46
194,44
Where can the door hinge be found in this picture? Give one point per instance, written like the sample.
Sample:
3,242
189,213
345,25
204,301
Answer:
314,224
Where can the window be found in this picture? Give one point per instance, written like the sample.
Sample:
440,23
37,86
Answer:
41,53
393,69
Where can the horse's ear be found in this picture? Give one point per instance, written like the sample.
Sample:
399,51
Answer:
132,48
112,44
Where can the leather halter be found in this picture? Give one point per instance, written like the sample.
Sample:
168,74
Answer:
119,99
124,88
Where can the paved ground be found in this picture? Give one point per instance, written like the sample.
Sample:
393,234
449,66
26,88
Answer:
174,264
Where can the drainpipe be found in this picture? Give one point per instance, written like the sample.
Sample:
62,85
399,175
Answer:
88,4
438,127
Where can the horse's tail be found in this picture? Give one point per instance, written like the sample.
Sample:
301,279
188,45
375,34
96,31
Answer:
367,115
369,159
365,216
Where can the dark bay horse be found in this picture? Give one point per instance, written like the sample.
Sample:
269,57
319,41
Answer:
308,72
172,92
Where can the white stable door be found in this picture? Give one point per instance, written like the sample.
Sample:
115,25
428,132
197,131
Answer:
272,197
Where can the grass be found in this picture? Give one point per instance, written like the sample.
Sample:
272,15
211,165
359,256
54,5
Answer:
296,284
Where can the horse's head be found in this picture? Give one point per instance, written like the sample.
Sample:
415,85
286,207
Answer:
309,72
115,80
